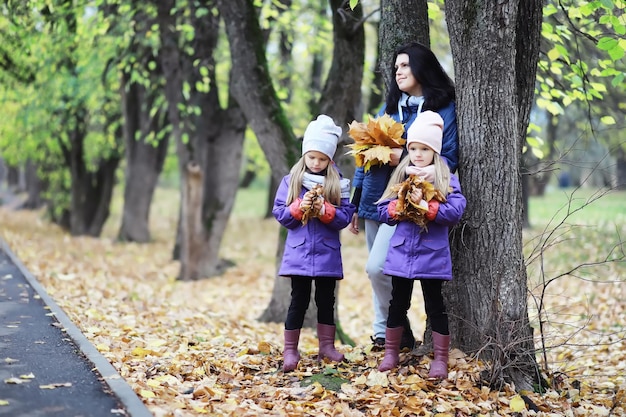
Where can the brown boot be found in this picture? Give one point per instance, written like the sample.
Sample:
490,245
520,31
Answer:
291,356
392,349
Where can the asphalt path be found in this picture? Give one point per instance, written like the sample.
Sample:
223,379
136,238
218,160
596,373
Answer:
48,368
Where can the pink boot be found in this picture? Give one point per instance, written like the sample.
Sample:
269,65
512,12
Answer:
439,365
392,348
326,338
291,356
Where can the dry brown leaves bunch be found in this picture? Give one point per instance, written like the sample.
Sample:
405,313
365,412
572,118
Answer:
406,208
311,211
374,141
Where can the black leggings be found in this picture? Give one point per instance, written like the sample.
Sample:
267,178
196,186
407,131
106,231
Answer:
433,303
301,296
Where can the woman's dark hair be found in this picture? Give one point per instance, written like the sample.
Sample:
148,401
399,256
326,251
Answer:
437,86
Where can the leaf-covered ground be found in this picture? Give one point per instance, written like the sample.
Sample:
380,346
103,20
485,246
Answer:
196,348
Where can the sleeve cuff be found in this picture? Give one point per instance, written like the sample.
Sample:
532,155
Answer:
294,209
329,213
433,209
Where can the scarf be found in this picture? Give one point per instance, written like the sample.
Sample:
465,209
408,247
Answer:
310,180
409,102
427,172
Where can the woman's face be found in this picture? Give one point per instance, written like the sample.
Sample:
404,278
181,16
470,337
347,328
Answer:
404,77
316,161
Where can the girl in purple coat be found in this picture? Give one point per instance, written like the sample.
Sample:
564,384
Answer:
312,249
421,253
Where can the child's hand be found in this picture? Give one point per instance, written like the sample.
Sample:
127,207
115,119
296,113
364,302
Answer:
416,196
307,201
318,204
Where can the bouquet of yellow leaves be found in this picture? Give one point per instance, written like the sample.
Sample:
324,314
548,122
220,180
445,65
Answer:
406,209
374,141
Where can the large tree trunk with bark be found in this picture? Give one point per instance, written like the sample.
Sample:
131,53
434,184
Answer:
495,51
215,140
91,191
253,89
341,96
144,159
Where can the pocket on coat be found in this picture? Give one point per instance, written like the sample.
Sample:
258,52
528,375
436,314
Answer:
331,243
295,241
435,244
396,241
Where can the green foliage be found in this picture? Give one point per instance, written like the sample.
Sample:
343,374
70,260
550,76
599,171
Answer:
70,92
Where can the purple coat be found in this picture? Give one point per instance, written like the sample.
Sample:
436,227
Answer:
314,249
419,254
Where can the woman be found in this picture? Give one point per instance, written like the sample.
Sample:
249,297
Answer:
420,84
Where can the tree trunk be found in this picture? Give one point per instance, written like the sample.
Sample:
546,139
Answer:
341,97
144,159
215,137
253,90
91,191
192,232
34,187
495,47
252,86
13,178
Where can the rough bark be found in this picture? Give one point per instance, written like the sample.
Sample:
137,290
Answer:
252,86
191,250
488,297
341,96
215,136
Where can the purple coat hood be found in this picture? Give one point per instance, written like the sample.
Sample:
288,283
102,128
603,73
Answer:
314,249
419,254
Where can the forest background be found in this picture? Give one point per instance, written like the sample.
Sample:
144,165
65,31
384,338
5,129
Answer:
78,89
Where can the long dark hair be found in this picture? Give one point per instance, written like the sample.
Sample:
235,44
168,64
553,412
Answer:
437,86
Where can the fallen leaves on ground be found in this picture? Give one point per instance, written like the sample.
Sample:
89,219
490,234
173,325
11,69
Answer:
196,348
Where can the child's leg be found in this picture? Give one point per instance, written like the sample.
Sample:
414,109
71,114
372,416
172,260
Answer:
325,301
434,305
400,303
436,312
300,297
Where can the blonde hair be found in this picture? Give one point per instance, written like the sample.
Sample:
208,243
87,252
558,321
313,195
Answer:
332,185
441,182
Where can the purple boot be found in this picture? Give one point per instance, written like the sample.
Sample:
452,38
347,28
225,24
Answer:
439,365
392,349
291,356
326,338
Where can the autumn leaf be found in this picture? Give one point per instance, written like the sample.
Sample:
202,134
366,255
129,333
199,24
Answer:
170,339
406,208
374,140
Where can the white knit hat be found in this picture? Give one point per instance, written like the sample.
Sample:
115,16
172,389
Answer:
427,128
321,135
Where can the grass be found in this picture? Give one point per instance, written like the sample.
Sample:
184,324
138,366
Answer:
588,206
